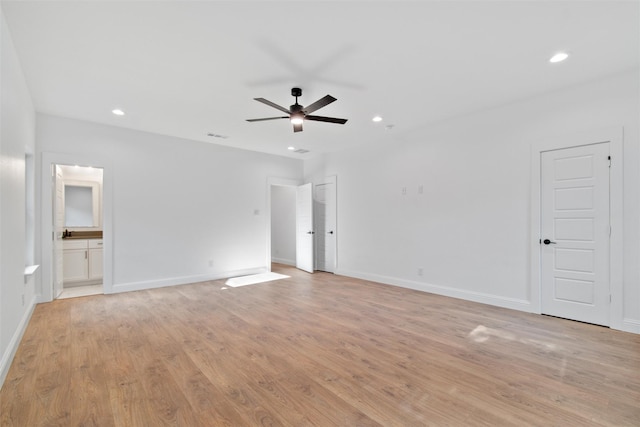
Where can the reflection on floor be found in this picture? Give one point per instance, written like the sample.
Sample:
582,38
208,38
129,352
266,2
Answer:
253,279
81,291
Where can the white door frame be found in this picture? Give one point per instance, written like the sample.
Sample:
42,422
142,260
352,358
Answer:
46,203
614,136
273,181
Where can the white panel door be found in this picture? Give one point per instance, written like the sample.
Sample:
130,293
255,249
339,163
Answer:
575,233
304,227
325,220
58,229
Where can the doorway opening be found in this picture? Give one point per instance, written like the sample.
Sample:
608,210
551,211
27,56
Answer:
283,224
78,231
302,229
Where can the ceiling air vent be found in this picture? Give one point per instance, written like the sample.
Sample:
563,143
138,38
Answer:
215,135
301,151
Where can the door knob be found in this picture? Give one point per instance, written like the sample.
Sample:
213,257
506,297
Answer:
330,232
548,242
310,232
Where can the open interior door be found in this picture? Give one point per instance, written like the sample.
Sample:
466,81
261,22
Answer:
304,227
324,203
58,229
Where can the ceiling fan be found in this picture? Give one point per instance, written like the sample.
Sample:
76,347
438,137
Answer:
297,113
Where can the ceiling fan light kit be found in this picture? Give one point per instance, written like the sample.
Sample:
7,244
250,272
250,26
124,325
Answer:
297,114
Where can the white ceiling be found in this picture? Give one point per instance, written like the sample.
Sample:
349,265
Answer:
187,69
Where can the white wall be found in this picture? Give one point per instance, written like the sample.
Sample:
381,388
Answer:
469,228
17,123
177,204
283,224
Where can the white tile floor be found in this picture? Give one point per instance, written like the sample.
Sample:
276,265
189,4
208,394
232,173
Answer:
81,291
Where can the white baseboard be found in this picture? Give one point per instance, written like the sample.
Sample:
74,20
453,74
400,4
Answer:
631,325
184,280
499,301
284,261
7,357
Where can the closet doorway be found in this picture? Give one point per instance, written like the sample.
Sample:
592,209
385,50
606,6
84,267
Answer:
302,225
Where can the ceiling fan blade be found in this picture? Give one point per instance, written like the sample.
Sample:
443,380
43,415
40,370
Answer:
319,104
267,118
297,128
271,104
326,119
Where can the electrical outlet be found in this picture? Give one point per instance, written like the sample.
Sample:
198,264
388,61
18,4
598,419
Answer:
420,189
210,263
420,271
404,191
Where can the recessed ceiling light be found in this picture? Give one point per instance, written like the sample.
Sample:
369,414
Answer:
118,112
377,119
291,148
559,57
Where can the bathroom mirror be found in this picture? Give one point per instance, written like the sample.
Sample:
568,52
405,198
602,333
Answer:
81,204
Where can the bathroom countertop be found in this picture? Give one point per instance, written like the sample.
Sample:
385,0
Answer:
76,235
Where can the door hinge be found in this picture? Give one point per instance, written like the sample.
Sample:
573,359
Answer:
609,158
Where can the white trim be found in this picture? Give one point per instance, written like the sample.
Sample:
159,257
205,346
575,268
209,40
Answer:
631,325
184,280
271,181
614,136
12,348
46,198
480,297
285,261
30,270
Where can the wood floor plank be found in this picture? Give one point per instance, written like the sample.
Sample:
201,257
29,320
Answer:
51,399
316,350
89,374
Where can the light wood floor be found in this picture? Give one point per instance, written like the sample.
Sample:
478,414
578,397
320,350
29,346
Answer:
317,350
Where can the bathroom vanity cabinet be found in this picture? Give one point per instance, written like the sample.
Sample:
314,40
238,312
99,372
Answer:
82,261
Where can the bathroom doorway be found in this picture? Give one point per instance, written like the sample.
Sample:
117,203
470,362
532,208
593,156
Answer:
77,220
76,226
